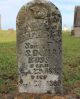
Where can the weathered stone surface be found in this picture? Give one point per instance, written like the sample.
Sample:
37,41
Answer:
76,32
76,28
0,22
77,16
39,47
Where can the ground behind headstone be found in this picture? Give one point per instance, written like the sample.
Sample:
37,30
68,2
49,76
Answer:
35,96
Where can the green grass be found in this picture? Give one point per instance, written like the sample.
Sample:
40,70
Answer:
7,36
8,63
71,62
71,57
8,60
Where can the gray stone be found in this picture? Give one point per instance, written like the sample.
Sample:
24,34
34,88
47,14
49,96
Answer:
0,22
39,48
76,29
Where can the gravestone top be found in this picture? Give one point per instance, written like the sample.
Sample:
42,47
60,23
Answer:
76,26
39,47
77,17
0,22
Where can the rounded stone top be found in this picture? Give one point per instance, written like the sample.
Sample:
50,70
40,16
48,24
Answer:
36,5
38,9
40,0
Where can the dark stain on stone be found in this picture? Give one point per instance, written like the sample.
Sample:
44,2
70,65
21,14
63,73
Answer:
57,70
21,81
57,83
49,92
32,76
58,90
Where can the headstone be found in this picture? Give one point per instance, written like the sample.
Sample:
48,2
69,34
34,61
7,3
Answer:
76,27
0,22
39,48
